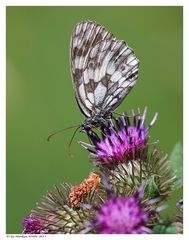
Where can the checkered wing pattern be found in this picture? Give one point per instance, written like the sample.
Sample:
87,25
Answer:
104,69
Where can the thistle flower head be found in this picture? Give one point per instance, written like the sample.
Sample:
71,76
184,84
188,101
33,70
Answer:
126,215
34,225
122,215
121,140
59,211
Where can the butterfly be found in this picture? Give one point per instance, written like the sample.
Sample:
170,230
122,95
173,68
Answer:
104,70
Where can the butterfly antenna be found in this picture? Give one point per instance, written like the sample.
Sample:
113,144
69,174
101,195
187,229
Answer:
70,143
119,114
59,131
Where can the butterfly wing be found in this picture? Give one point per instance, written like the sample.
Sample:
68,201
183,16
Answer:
85,36
114,71
104,69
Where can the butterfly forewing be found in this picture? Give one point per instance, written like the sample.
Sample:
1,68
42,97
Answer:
104,69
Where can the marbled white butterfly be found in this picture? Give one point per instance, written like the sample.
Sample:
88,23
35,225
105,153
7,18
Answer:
104,70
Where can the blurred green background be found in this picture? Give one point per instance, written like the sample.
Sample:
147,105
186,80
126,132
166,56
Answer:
40,98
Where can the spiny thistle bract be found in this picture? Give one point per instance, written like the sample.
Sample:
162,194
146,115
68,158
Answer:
110,200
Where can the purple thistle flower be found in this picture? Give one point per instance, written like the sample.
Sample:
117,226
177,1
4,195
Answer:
121,140
125,215
34,225
122,216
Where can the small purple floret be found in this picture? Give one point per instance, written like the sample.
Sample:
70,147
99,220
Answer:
34,225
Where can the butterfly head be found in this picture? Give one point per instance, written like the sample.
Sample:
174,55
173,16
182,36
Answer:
96,121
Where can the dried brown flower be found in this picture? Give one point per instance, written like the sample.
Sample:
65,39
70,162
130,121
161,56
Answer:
79,192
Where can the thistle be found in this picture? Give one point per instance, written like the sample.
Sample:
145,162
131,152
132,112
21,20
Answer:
123,195
124,215
124,154
121,141
34,224
59,210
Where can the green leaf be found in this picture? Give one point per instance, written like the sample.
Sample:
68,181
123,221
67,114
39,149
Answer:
176,159
151,188
165,229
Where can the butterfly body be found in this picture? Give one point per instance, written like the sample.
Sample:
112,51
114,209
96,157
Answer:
98,120
104,70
